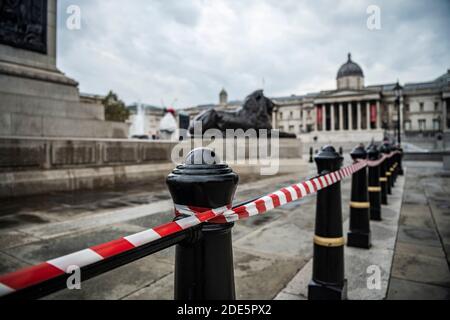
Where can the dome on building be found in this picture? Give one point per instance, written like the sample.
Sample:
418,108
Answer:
350,68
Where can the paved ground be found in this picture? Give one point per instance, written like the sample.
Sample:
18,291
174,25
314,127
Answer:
91,220
359,262
269,250
422,254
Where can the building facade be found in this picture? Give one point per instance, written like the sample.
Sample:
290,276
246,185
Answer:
354,108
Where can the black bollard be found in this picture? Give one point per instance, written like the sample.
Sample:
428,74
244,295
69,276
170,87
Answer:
204,263
328,281
374,184
385,148
359,234
383,178
311,155
341,151
391,166
399,161
394,165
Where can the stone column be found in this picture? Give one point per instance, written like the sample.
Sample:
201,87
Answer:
302,117
341,117
368,114
274,119
316,126
378,115
350,116
333,115
445,115
358,115
324,118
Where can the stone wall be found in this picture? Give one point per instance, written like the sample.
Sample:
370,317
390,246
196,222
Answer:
46,153
30,166
426,156
347,140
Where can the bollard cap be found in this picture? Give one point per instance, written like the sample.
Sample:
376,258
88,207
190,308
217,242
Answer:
202,181
373,152
328,159
385,148
359,152
202,161
202,156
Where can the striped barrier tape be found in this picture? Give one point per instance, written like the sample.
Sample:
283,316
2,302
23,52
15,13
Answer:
376,163
44,271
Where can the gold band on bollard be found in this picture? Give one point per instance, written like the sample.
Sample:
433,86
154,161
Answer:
329,242
374,189
359,205
388,174
383,179
392,169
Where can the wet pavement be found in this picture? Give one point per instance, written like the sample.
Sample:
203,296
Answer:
69,223
269,250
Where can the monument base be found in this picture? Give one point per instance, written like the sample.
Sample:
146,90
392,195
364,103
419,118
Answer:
46,103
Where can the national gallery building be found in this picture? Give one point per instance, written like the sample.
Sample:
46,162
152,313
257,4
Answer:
353,108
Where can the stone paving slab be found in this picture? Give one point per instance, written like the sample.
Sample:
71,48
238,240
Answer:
54,230
421,268
118,283
14,238
410,290
48,249
9,263
413,249
159,290
418,216
419,236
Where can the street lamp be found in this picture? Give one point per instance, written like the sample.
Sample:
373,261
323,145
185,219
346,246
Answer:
398,94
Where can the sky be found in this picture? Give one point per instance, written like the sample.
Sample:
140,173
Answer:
181,53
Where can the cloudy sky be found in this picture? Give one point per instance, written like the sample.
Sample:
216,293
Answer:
187,50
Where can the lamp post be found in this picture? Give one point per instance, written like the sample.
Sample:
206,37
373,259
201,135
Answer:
398,93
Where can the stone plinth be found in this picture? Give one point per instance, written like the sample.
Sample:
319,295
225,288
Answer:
36,99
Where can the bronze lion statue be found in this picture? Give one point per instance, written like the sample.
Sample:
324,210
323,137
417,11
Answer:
256,113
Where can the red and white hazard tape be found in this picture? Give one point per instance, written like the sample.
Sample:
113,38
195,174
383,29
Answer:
376,163
53,268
